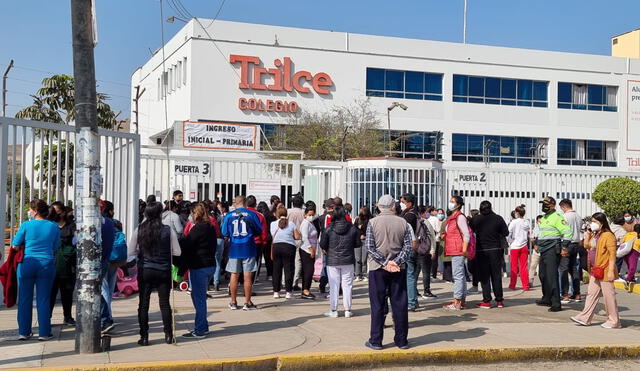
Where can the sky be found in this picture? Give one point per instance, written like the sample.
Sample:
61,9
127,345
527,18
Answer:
37,33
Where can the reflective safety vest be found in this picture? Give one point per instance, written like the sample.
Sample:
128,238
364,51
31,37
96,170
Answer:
553,228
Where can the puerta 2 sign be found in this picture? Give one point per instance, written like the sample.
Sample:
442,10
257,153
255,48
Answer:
220,135
280,78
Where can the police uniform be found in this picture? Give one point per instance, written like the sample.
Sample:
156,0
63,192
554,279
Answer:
554,234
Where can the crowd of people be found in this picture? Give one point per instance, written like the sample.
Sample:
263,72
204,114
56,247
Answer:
389,246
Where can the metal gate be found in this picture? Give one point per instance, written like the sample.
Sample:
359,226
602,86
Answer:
41,165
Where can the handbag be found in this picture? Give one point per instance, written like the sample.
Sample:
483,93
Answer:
625,248
597,272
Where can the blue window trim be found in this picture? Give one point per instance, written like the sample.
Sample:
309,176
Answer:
594,91
497,90
470,148
430,87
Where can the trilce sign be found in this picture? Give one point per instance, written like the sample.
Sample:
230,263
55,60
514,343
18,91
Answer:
282,78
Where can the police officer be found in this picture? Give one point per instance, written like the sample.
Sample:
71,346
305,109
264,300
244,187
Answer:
555,235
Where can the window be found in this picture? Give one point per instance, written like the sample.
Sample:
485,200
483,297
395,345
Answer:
587,97
416,144
494,90
165,82
494,148
159,89
404,84
179,75
580,152
184,71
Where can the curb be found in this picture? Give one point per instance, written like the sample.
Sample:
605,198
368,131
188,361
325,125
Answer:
367,359
635,288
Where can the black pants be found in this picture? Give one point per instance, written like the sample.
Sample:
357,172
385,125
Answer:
160,280
266,252
489,263
381,284
447,271
308,265
548,268
568,270
473,270
65,285
423,264
284,258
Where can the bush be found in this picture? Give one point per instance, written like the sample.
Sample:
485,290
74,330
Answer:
617,195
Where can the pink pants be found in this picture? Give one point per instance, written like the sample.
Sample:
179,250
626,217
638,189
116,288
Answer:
597,289
632,264
519,259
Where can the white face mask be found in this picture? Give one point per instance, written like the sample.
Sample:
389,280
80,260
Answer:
628,219
595,226
452,205
403,206
311,217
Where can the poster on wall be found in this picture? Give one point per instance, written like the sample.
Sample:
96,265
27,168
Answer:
220,135
633,115
197,168
263,189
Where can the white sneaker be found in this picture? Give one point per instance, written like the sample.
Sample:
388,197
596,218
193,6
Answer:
606,325
289,295
276,295
358,279
365,279
331,313
348,313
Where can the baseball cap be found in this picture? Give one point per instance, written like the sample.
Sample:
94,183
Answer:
386,201
548,200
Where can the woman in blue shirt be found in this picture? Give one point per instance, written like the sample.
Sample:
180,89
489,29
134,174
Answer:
40,240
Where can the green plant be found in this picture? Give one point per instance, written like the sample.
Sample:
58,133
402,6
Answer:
617,195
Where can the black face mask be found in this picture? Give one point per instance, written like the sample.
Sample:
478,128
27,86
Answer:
546,208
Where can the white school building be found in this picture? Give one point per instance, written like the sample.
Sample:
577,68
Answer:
504,124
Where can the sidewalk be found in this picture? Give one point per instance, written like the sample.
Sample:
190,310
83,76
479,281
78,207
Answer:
286,327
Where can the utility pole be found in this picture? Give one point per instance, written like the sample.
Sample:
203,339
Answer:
135,101
88,180
464,21
4,89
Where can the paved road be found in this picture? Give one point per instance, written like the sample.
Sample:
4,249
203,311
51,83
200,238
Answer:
296,326
520,366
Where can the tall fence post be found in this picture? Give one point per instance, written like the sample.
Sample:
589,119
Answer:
4,143
135,188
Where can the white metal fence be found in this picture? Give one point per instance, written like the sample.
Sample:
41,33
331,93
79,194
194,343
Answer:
41,165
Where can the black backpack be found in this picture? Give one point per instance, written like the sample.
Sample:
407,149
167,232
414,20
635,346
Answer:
423,238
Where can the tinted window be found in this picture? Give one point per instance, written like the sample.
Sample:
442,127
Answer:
525,89
460,85
476,86
492,87
433,83
394,80
375,79
414,81
508,88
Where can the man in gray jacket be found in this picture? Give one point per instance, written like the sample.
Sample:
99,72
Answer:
389,243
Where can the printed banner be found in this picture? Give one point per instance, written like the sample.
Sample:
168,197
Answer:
633,115
198,168
219,135
263,189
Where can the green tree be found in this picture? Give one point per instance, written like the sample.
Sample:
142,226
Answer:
66,172
617,195
54,102
338,134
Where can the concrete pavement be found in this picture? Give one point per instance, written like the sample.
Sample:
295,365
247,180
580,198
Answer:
295,326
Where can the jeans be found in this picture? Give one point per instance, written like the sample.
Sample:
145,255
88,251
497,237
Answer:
308,265
284,256
361,261
108,285
199,281
459,277
218,256
412,284
160,280
567,271
490,266
65,285
297,264
340,276
324,280
549,260
393,285
39,273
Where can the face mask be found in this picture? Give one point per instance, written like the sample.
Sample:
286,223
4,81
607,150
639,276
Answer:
311,218
628,219
595,226
441,216
452,205
545,208
403,206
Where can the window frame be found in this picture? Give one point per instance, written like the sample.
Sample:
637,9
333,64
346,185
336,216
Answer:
510,93
429,91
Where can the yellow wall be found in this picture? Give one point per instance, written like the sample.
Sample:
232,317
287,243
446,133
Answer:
627,45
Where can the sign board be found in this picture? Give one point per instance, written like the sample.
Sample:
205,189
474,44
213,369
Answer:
468,178
263,189
197,168
633,115
220,135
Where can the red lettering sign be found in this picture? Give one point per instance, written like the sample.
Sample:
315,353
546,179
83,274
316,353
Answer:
283,78
269,105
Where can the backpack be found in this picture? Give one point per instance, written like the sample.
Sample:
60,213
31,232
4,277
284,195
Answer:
423,238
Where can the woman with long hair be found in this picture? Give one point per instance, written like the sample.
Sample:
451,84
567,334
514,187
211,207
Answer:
171,218
199,248
266,252
40,239
601,245
519,248
283,252
308,249
339,242
361,223
154,244
65,277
